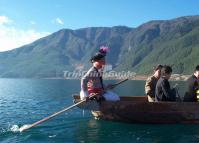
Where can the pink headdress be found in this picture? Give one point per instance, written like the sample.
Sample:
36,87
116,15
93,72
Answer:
104,50
100,54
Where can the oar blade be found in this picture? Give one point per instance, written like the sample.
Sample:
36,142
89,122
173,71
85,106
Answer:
24,127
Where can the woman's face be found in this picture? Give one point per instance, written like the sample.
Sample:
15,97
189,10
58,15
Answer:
197,74
100,63
158,73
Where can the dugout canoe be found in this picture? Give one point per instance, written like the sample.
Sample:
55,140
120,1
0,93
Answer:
137,109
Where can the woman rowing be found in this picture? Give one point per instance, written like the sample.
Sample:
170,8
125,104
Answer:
92,82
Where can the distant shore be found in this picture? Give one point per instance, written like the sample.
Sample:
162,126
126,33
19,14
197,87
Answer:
174,77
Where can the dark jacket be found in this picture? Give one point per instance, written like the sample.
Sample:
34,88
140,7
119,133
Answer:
192,87
163,91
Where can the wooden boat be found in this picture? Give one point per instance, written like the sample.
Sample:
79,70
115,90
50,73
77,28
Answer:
137,109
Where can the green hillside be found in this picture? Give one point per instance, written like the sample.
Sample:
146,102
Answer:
174,42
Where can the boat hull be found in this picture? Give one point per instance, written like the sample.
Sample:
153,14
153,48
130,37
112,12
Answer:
139,110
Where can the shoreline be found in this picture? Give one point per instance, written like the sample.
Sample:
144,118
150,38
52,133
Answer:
174,77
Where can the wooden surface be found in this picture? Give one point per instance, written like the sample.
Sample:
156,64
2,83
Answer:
138,110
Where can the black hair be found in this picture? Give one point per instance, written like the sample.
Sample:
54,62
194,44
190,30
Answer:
166,70
197,68
158,67
97,57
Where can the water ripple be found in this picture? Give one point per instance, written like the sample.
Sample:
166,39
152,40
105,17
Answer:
26,101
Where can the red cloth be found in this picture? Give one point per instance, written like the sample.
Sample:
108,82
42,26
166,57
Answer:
94,90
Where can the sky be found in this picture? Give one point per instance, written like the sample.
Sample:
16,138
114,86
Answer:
24,21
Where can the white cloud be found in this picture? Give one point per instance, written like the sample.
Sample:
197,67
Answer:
4,20
59,21
12,37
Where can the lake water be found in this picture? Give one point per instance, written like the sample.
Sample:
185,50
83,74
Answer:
24,101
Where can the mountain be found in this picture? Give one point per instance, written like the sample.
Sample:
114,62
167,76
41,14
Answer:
174,42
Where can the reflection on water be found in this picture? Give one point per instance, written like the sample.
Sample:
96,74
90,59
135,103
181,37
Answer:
103,131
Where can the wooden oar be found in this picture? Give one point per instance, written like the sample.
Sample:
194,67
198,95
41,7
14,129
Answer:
114,85
26,127
120,82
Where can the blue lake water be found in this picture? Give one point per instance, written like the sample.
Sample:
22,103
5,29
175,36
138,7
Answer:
24,101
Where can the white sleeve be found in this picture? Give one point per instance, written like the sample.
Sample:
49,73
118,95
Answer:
83,94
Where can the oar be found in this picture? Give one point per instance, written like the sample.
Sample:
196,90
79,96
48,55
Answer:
26,127
114,85
120,82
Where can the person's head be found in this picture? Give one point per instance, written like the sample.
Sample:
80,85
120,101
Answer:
98,60
197,71
157,71
99,63
166,71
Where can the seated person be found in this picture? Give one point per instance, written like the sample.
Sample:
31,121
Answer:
151,83
163,90
192,87
92,82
